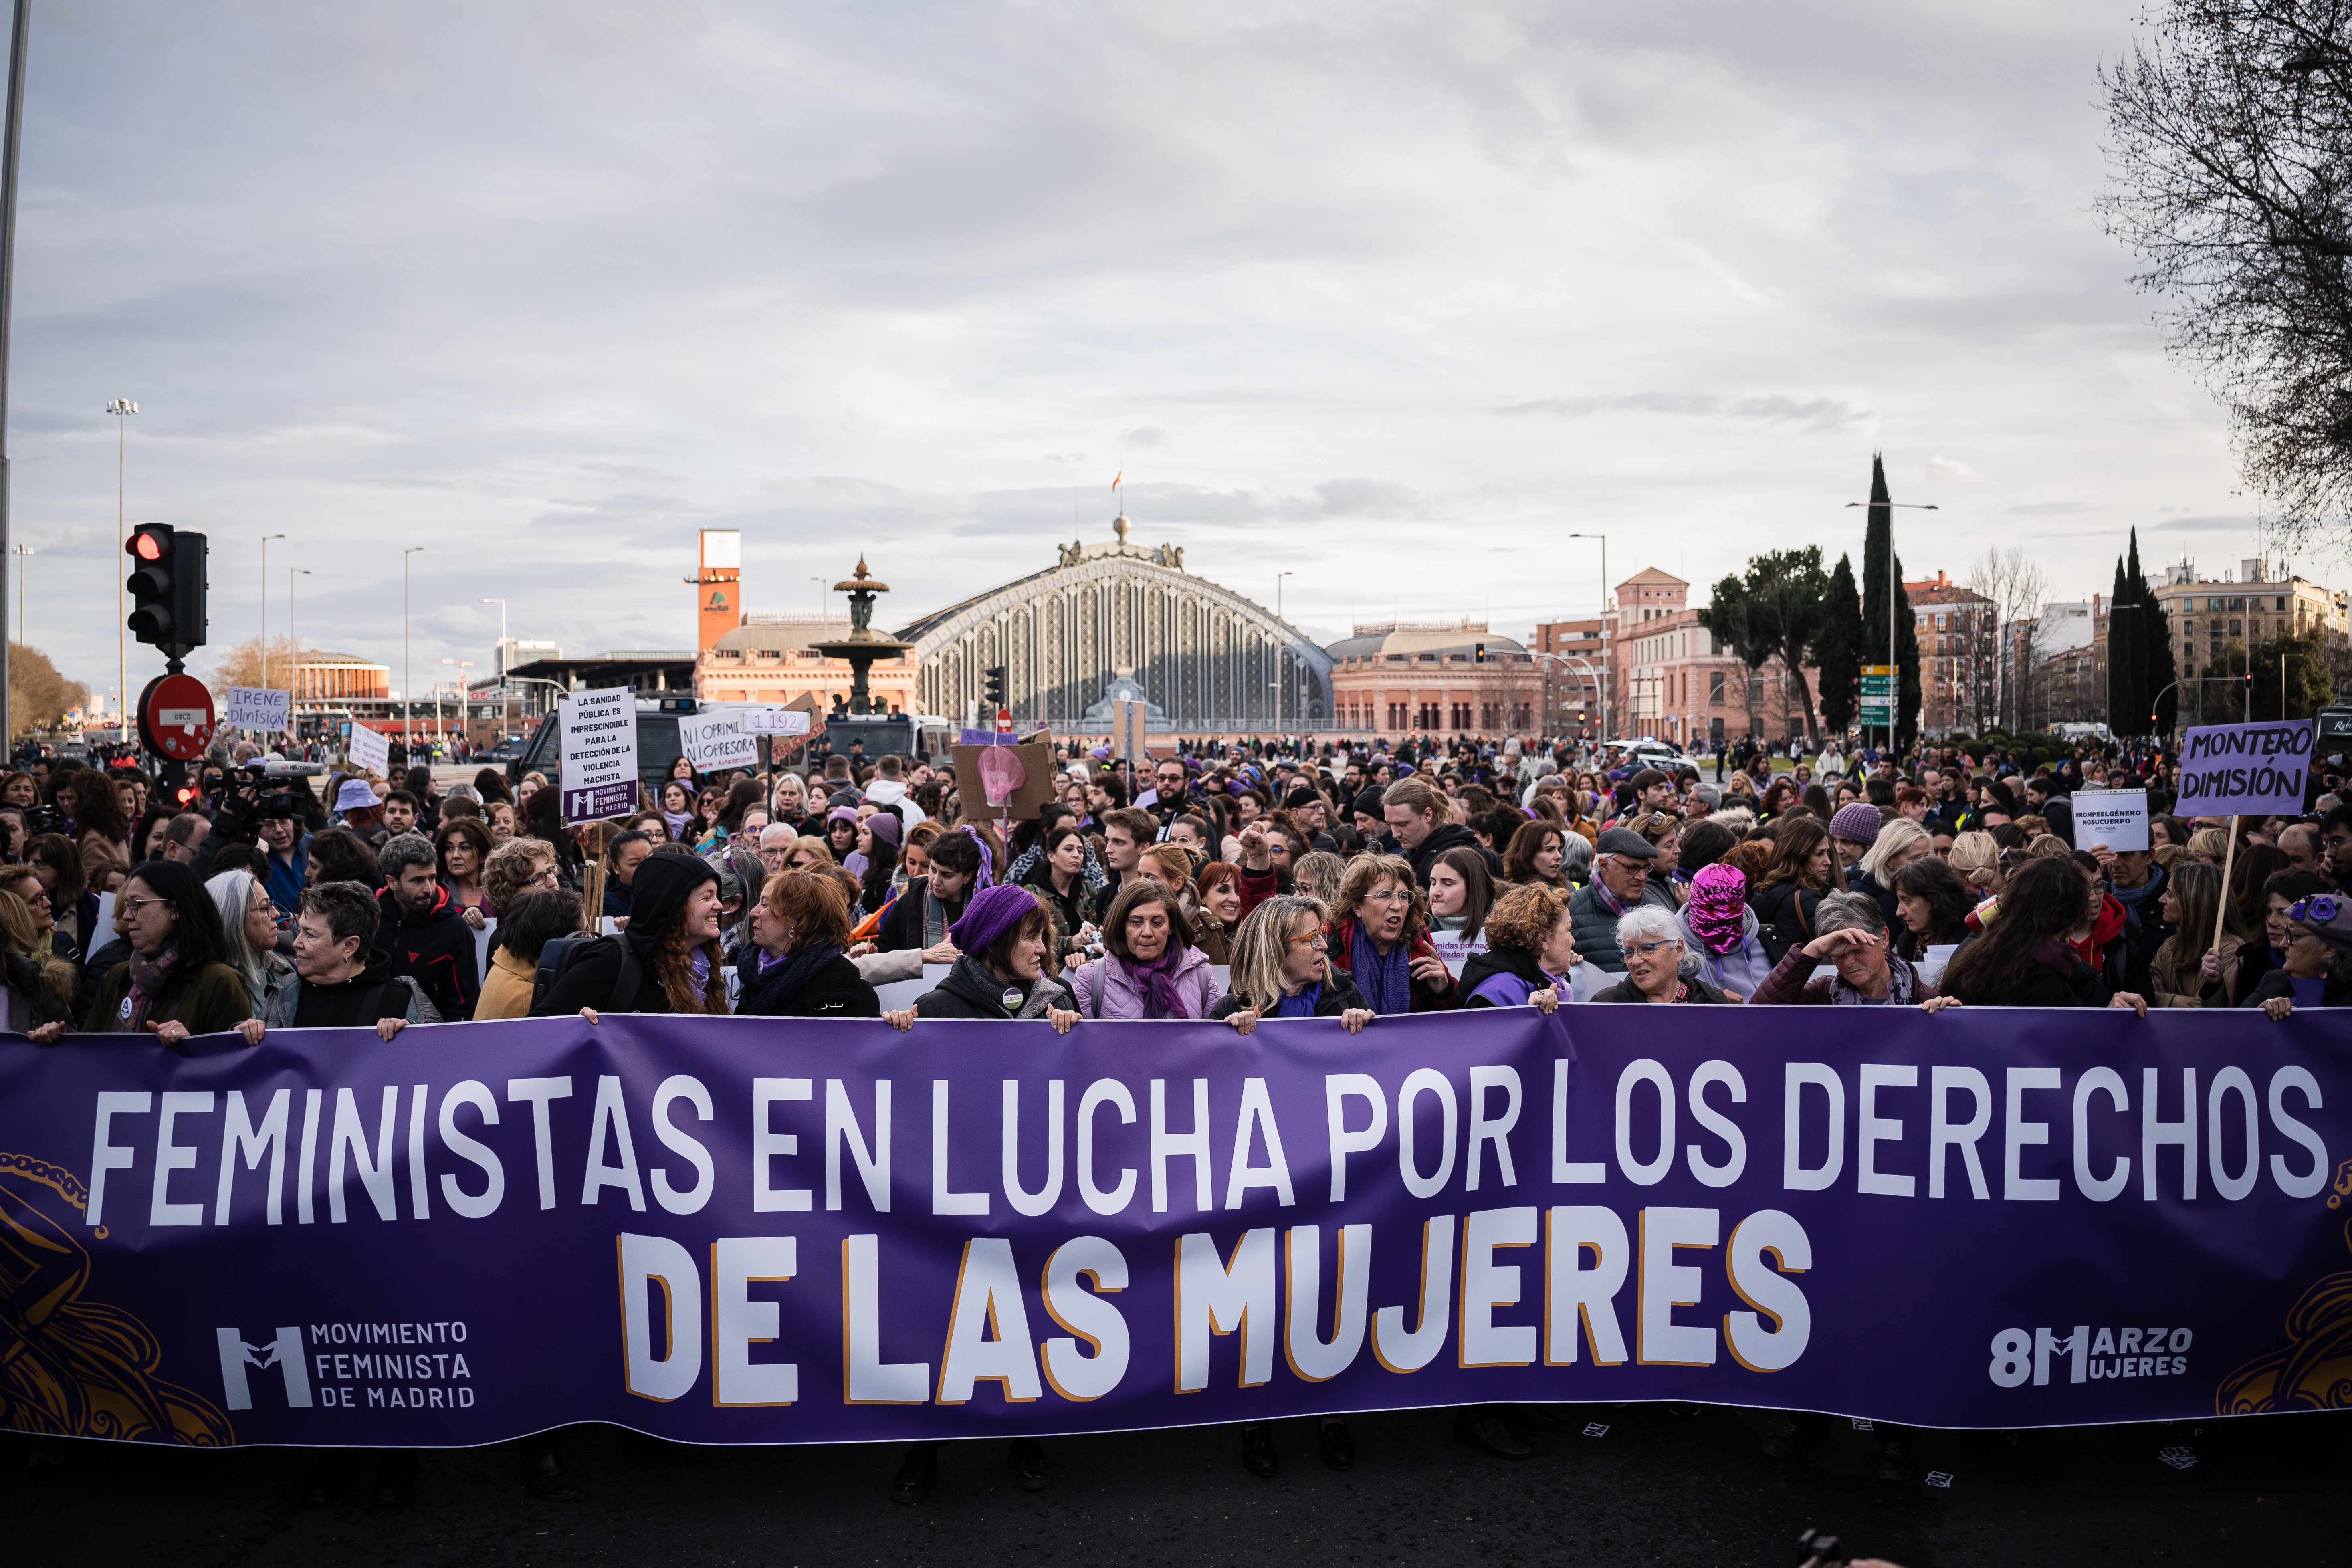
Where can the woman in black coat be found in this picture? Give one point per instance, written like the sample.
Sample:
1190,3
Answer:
1803,868
2023,957
794,967
667,962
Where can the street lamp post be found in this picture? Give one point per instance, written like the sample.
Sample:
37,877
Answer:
1607,643
264,607
407,670
293,658
122,408
1278,576
21,550
16,40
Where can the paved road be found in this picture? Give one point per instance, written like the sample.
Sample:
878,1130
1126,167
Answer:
1652,1489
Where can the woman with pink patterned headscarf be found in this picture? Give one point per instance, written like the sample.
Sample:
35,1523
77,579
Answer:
1721,931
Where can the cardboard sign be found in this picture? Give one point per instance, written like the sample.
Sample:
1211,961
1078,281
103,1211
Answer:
600,754
2244,770
2116,818
258,707
775,721
715,739
1126,732
1033,761
370,753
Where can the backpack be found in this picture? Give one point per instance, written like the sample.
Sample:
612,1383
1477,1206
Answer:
557,958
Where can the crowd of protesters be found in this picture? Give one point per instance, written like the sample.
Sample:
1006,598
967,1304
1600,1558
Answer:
1232,882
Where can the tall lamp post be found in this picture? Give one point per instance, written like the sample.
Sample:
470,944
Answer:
294,657
1278,576
20,551
1607,643
264,607
1893,594
122,408
407,670
16,39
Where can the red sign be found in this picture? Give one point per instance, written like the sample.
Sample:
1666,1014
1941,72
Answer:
1004,720
176,717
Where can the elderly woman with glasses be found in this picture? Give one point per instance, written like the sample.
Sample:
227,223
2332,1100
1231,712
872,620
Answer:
250,922
1381,940
1854,943
1651,940
2317,971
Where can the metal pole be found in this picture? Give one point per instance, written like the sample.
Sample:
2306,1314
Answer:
16,39
264,607
121,409
23,633
408,670
294,660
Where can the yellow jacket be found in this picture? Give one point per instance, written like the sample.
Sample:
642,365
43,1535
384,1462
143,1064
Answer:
506,990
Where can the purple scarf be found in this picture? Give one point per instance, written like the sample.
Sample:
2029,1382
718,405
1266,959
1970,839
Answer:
1302,1006
1157,982
1386,983
148,975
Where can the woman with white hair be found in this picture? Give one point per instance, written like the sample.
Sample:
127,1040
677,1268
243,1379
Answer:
1652,942
250,921
1854,943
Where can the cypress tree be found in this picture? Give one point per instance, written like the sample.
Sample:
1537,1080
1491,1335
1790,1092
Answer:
1838,651
2123,696
1877,545
2158,669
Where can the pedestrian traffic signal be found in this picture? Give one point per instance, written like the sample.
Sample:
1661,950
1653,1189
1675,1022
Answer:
992,692
167,587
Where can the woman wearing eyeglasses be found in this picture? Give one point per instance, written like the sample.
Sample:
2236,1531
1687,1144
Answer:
249,925
1382,943
1652,942
176,983
40,989
2317,971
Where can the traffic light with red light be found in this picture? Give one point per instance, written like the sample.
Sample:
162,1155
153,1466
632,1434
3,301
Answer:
167,584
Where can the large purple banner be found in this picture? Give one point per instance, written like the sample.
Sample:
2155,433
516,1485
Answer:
752,1231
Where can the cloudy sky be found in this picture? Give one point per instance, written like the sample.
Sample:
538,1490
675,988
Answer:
1393,296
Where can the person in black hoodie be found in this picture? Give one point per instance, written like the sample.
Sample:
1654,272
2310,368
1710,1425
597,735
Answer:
1420,819
793,966
668,961
419,931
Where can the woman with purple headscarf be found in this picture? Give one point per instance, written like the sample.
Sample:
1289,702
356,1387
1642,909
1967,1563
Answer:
1721,930
999,969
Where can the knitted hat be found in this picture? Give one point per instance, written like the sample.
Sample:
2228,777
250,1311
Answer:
2324,916
1718,910
1856,824
991,912
886,825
